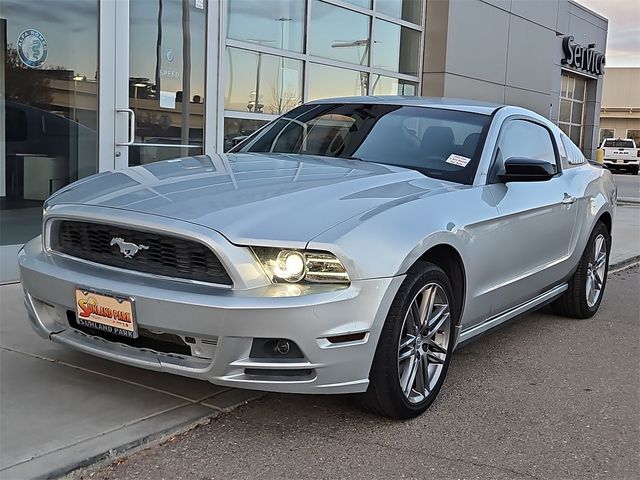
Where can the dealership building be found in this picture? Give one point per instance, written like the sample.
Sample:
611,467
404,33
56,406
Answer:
620,107
94,85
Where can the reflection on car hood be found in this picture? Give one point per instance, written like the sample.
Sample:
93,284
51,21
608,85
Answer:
253,197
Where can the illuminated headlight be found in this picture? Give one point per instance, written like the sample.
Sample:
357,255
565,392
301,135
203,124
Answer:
284,265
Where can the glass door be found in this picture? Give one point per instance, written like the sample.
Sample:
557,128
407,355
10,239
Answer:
49,81
161,80
92,85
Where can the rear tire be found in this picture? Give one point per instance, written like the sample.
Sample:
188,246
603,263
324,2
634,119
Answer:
586,287
415,346
634,170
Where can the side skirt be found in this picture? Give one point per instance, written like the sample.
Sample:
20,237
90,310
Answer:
516,311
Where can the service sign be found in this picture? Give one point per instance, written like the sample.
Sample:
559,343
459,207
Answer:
107,313
582,58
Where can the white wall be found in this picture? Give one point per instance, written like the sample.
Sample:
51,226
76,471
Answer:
621,88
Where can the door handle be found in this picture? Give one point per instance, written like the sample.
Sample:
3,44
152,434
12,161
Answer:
132,125
568,199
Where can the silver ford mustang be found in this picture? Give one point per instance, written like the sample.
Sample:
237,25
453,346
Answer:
347,247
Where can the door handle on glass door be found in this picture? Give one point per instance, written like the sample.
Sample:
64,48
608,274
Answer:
568,199
132,125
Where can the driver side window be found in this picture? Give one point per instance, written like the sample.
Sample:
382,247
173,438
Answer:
522,139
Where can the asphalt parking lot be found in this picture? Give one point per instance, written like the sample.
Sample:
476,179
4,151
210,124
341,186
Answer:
544,397
513,405
628,186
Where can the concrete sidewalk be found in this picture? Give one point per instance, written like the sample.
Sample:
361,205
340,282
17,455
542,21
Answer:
61,409
626,235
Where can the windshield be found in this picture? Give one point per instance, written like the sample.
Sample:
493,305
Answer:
440,143
618,143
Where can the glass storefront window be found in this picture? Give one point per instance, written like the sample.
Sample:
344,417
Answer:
578,88
635,135
565,110
381,85
50,80
576,112
274,23
564,86
265,84
607,133
409,10
339,34
571,115
237,129
325,82
576,134
166,78
360,3
396,48
260,83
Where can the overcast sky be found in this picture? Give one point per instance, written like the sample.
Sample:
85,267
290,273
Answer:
623,44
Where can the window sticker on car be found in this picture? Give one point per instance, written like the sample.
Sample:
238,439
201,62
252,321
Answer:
458,160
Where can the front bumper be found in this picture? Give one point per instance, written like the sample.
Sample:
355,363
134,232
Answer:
234,318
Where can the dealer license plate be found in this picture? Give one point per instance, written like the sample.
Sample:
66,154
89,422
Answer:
105,312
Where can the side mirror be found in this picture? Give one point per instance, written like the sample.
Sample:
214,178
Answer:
527,170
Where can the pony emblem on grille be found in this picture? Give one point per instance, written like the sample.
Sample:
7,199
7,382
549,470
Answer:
128,249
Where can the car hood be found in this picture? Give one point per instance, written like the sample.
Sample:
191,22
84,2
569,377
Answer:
265,198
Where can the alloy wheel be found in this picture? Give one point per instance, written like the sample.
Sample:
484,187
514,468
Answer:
424,342
596,271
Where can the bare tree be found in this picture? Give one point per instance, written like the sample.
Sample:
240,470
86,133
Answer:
25,85
282,102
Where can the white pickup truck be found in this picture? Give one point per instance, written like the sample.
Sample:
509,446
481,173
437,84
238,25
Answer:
621,153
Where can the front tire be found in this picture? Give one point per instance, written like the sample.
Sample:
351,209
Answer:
415,346
586,287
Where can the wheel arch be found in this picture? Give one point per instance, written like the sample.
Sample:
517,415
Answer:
605,217
450,261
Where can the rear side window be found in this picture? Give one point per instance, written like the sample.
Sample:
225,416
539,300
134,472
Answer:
618,143
523,139
574,154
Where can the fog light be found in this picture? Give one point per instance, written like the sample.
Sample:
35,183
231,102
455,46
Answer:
282,347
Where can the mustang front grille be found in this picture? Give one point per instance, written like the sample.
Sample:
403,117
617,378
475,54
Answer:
153,253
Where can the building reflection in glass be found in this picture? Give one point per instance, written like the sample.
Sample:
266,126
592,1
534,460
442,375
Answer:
50,83
166,78
277,23
261,83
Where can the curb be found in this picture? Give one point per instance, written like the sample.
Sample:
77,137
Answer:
75,470
70,470
624,264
